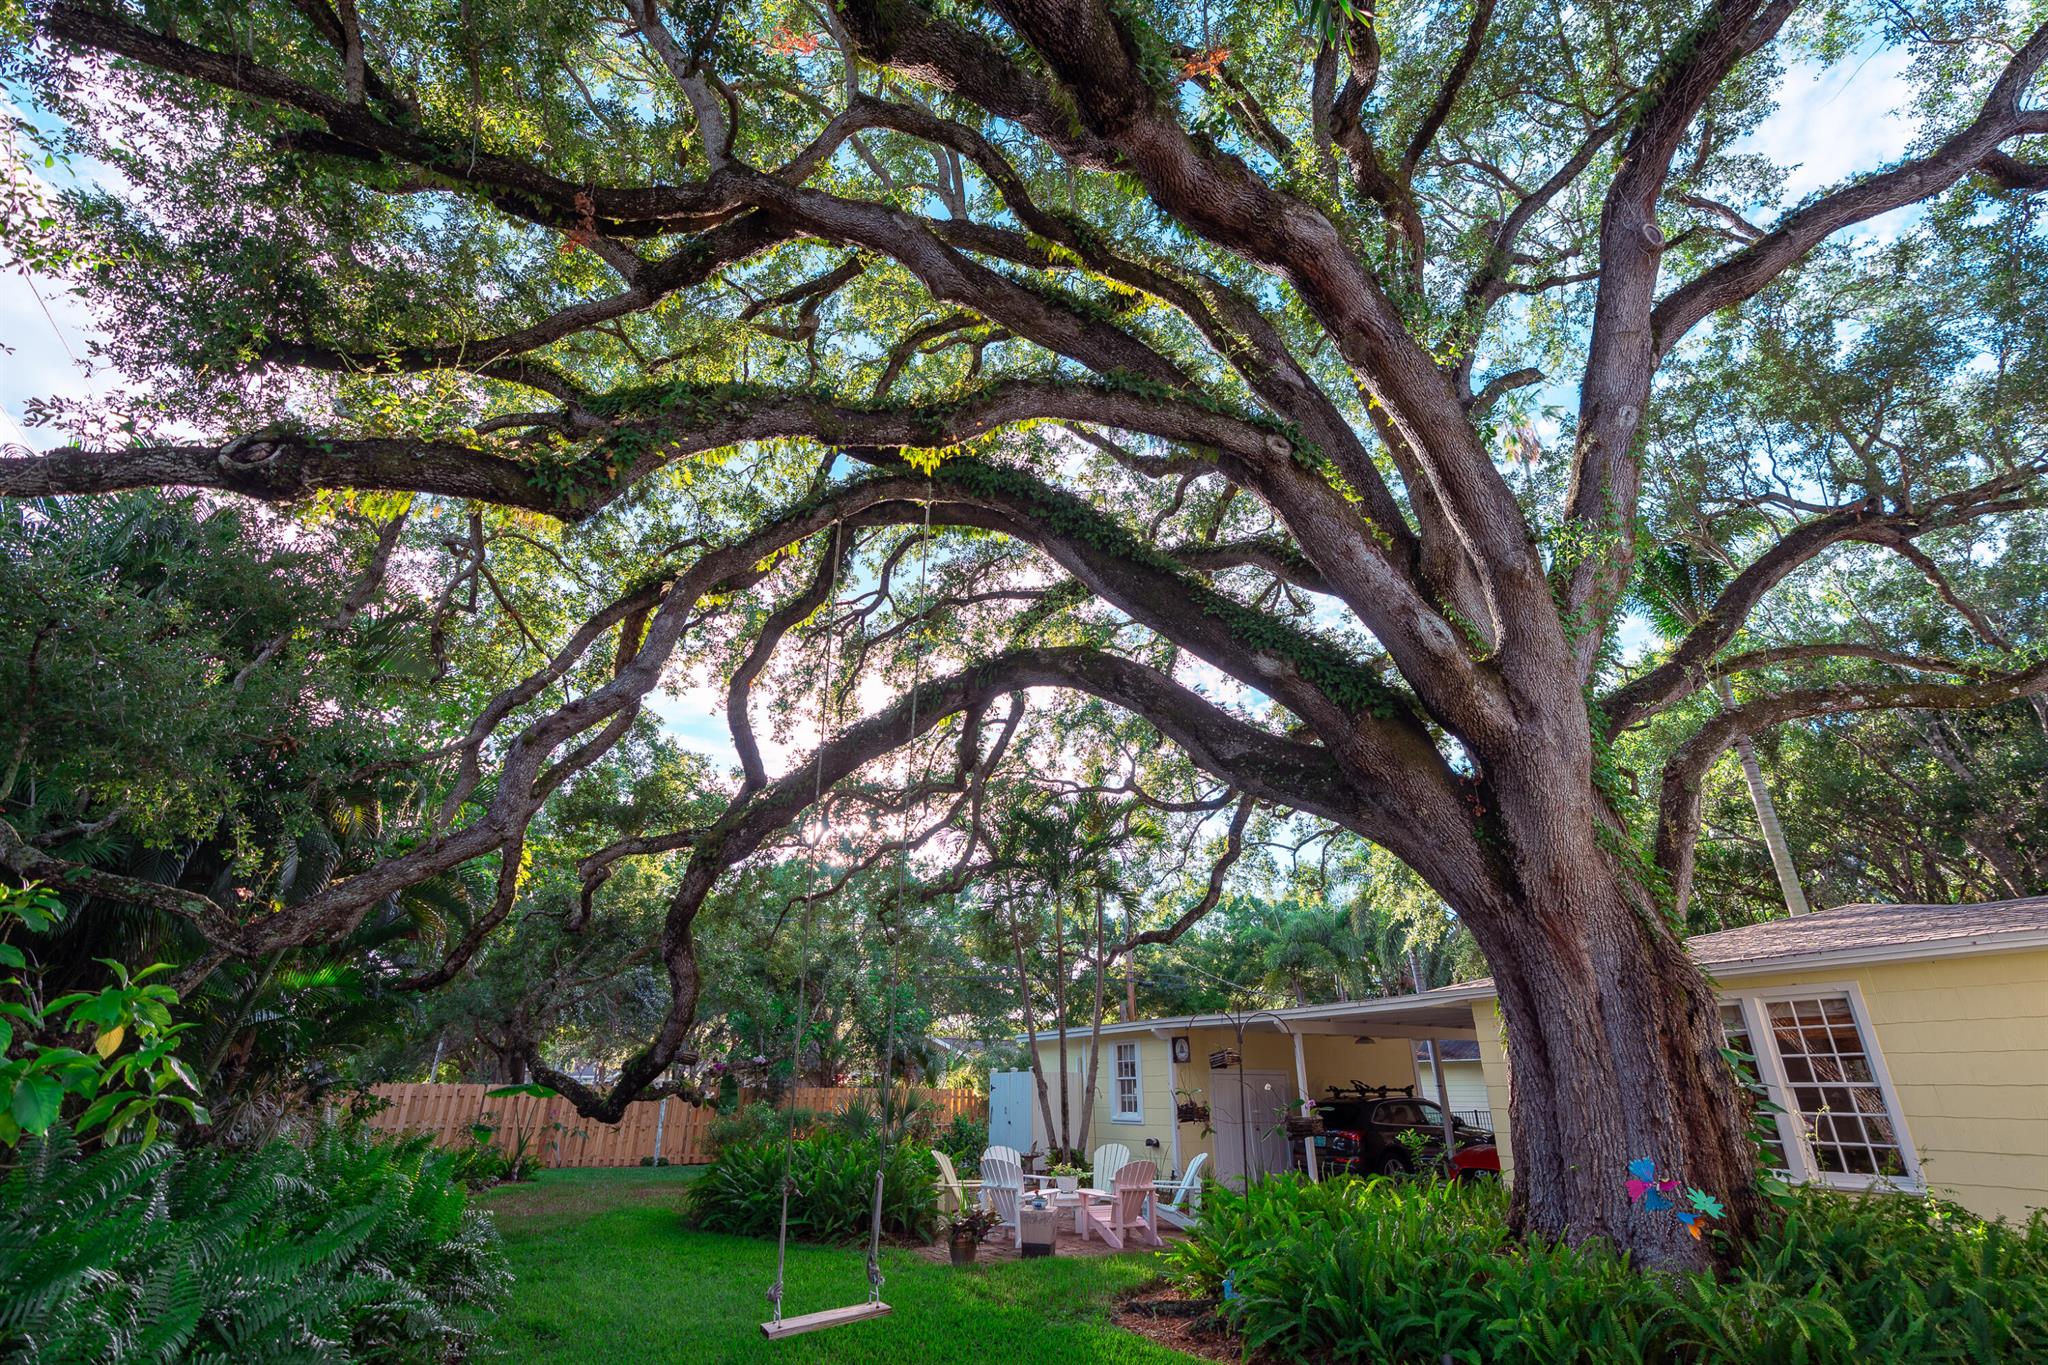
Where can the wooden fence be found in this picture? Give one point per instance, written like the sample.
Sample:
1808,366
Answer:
555,1135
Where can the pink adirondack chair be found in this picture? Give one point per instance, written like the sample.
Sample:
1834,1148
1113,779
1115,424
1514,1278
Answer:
1132,1208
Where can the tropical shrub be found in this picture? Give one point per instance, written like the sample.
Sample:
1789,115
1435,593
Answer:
756,1123
963,1140
342,1248
107,1088
481,1165
835,1181
1425,1271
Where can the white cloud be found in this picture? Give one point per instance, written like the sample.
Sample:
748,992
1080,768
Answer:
42,356
1835,122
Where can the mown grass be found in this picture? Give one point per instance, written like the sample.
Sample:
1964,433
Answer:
607,1272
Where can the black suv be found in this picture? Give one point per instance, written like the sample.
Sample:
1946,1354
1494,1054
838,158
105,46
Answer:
1362,1124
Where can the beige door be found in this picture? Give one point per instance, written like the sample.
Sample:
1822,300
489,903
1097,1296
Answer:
1248,1110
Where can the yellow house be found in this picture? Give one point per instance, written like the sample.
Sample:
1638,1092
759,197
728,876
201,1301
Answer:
1906,1044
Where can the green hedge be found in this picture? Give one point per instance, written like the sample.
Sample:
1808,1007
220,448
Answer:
835,1183
1423,1271
345,1248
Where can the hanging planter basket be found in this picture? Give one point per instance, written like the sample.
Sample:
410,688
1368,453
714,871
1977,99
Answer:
1191,1112
1304,1125
1223,1059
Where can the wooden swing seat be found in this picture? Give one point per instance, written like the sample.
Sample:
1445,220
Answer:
815,1322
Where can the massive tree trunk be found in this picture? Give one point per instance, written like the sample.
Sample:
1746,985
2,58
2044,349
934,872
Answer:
1612,1034
1613,1048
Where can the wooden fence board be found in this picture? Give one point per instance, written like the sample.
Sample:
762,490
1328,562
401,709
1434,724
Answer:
558,1137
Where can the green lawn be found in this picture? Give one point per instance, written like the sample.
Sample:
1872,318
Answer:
607,1272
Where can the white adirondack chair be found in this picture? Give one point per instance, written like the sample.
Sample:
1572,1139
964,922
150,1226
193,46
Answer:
1131,1209
1006,1153
1179,1211
1109,1158
954,1192
1002,1189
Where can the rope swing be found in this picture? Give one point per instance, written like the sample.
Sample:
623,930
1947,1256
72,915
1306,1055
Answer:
778,1326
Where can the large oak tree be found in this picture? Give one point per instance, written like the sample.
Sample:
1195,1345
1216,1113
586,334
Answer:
1203,341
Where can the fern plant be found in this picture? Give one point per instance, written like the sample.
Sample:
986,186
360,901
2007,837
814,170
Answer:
344,1248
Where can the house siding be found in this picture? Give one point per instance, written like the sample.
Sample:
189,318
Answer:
1464,1083
1965,1040
1155,1094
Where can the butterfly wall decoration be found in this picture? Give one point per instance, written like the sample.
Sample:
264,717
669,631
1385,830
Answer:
1663,1194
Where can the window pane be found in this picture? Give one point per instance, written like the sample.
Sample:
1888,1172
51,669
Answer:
1834,1087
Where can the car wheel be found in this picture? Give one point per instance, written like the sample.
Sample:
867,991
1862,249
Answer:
1395,1163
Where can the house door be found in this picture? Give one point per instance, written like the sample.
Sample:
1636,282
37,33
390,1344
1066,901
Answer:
1248,1119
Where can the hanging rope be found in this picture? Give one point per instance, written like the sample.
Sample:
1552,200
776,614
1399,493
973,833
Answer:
894,938
803,965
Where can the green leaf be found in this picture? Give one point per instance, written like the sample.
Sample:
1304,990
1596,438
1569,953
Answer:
97,1112
35,1104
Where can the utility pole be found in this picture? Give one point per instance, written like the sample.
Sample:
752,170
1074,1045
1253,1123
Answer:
1130,969
1436,1066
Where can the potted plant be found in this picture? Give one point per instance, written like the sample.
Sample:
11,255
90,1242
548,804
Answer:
1190,1107
1067,1177
1308,1123
965,1231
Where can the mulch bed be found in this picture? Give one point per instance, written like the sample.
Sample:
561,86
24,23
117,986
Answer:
1175,1320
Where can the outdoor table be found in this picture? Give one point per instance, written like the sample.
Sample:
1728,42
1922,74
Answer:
1078,1201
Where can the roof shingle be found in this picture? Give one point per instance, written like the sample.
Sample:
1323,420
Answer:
1858,927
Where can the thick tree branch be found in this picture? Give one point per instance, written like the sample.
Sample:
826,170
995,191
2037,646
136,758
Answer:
1621,354
1972,148
1688,667
1678,808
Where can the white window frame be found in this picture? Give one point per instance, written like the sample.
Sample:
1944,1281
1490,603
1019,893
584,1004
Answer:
1136,1113
1771,1071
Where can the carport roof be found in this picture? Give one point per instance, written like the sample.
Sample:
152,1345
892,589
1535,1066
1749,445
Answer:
1445,1013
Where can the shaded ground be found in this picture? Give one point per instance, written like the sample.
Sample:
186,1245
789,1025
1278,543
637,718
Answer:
607,1272
1068,1244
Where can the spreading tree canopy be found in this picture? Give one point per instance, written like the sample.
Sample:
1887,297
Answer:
1301,390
